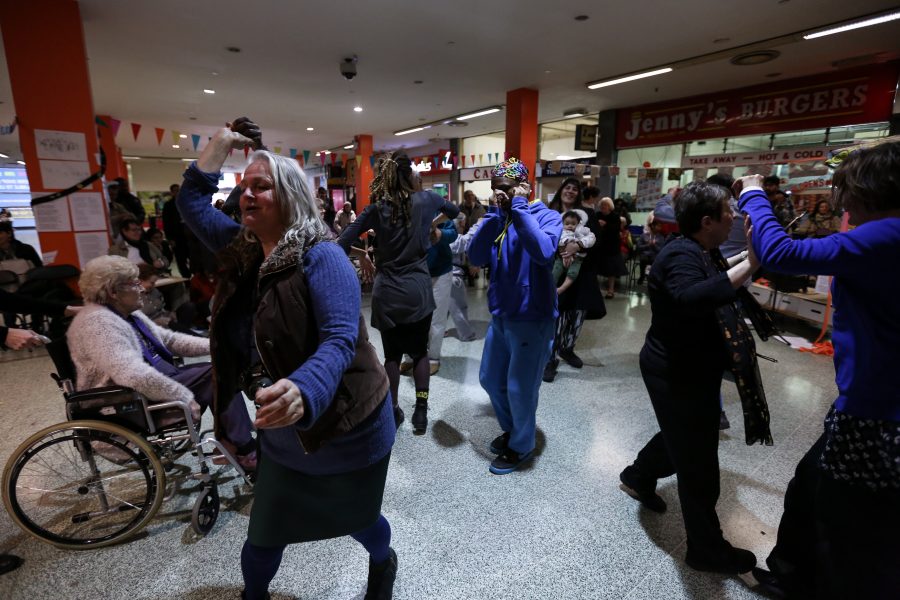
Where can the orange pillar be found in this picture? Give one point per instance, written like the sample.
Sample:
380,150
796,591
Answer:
108,143
47,64
364,174
522,126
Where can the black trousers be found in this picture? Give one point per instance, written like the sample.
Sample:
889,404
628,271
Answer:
687,410
837,540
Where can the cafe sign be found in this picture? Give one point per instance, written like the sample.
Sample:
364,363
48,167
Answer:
847,97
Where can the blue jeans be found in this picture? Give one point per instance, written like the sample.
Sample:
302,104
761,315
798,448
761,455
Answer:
515,354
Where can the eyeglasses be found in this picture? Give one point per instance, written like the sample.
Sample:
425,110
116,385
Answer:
134,284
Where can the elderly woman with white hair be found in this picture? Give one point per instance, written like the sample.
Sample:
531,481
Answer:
287,310
113,343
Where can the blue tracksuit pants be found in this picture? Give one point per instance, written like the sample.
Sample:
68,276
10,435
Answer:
515,354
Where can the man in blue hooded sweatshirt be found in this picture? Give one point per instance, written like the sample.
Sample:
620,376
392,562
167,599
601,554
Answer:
518,239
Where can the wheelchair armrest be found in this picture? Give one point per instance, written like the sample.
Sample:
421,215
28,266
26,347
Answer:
102,392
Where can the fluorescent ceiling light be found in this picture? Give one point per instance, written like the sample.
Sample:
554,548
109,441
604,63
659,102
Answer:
325,152
21,162
575,112
131,157
858,24
348,147
187,160
176,146
3,155
182,136
480,113
209,91
413,130
600,84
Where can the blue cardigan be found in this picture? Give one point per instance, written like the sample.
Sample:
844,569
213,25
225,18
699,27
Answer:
866,298
520,249
337,315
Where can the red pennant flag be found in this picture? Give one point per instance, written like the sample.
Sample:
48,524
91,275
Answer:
343,158
114,125
246,151
462,158
333,159
300,160
322,159
160,132
472,156
135,130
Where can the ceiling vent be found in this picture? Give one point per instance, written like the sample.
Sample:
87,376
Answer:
757,57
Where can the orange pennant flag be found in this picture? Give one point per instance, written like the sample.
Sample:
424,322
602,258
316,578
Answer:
159,135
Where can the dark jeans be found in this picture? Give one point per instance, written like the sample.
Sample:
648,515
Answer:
837,540
687,445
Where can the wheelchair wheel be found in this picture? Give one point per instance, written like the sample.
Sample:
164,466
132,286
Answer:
83,484
206,510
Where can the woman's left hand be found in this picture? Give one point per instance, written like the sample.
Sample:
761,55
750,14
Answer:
281,405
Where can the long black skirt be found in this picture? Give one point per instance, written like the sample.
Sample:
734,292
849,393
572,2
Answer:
291,507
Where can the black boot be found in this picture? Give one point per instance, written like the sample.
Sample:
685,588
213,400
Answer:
381,577
550,371
420,417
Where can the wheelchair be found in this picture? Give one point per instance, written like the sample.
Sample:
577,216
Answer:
101,476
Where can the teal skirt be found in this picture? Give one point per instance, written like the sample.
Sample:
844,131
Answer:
291,507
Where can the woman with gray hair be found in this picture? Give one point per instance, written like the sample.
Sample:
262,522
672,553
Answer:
287,310
113,343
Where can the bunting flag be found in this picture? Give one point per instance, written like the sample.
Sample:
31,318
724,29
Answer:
9,129
343,158
372,161
300,160
159,135
277,149
100,122
358,161
135,130
293,152
462,158
481,159
579,170
472,156
306,156
246,152
333,159
176,137
196,140
322,158
114,125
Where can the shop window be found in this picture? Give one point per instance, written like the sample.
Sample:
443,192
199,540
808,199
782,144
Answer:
557,139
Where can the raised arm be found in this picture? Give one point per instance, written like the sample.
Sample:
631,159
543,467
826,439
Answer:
539,235
211,226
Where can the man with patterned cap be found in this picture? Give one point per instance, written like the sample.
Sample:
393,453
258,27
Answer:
518,239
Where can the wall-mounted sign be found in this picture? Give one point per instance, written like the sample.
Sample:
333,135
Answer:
847,97
586,138
476,174
429,165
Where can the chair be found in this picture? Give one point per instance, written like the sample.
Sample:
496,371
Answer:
100,477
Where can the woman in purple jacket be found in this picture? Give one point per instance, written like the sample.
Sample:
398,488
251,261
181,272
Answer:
839,536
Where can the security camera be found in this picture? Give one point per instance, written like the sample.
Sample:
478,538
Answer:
348,67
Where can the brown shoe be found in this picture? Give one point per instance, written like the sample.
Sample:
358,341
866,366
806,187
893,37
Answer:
434,367
405,367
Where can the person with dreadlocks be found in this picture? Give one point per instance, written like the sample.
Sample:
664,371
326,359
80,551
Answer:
402,300
518,239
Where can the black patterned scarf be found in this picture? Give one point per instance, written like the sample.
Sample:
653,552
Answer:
741,349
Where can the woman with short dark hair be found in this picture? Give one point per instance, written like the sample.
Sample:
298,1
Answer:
839,536
696,332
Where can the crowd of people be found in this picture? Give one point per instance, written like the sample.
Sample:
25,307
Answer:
328,417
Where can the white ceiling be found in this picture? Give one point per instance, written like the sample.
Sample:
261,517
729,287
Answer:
149,60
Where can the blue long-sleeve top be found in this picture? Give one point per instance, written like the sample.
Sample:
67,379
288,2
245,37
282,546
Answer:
335,302
519,247
440,257
866,323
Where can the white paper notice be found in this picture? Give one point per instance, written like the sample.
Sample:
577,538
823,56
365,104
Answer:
61,145
87,212
52,216
60,174
90,245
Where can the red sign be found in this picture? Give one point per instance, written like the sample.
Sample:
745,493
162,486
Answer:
848,97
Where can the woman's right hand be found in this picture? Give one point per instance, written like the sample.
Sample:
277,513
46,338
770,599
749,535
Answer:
20,339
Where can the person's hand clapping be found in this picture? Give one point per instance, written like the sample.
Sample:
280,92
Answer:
281,404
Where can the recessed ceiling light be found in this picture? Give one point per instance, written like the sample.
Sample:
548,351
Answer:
582,18
207,91
176,146
214,73
757,57
310,128
357,109
891,16
627,78
182,136
3,155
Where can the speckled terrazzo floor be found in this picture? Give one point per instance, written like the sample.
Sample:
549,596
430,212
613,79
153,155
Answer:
560,529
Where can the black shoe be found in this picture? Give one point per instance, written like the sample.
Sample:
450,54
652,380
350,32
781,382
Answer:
508,461
244,596
399,416
641,490
498,446
572,359
9,562
381,578
420,417
723,422
550,371
728,561
771,584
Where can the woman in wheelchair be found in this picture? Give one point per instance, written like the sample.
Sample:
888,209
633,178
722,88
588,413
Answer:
113,343
287,311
